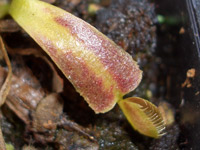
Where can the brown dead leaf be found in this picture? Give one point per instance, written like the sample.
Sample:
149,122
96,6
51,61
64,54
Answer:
191,73
182,30
25,90
43,118
5,87
57,81
9,25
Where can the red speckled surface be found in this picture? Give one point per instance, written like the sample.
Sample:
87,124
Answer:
87,83
83,78
120,65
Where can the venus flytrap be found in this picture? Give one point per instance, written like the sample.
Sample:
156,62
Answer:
100,71
143,116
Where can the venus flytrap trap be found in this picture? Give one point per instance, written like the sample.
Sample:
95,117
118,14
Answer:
100,71
143,116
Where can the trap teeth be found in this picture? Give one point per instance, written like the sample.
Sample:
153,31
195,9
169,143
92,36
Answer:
146,119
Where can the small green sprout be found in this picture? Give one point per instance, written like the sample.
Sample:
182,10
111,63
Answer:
169,20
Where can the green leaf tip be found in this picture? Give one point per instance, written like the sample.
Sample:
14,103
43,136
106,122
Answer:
143,116
4,6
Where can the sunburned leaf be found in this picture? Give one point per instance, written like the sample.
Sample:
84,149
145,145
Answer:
100,71
143,116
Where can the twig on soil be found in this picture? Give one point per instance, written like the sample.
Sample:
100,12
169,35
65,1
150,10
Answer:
5,87
67,124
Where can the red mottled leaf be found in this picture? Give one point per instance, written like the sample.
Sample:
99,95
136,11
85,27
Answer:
100,71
